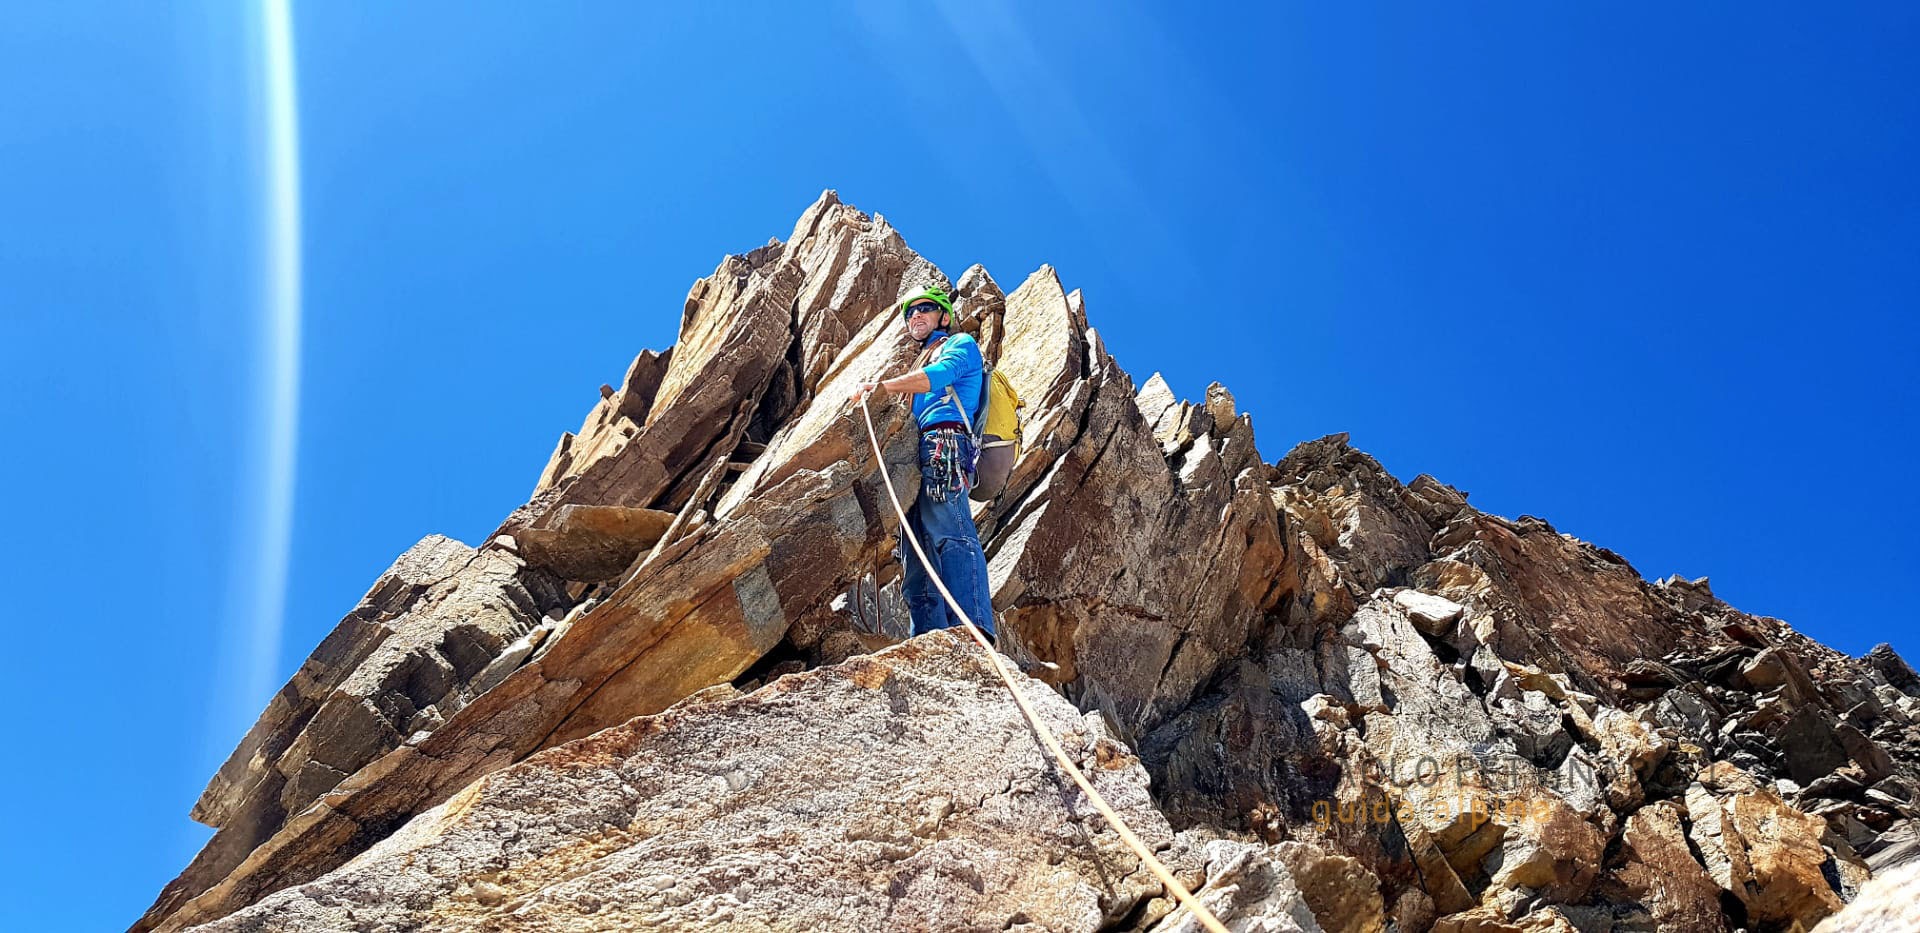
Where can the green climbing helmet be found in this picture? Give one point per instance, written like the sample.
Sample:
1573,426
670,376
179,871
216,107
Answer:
931,293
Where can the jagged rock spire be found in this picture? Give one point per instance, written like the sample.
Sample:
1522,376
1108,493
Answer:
1292,650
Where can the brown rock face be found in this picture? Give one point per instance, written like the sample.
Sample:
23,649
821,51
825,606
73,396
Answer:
1656,875
1359,701
593,543
897,791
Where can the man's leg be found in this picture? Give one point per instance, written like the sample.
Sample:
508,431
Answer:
924,604
962,563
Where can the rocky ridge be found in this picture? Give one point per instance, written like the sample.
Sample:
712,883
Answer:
1340,701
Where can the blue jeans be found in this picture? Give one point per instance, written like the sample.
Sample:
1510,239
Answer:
942,521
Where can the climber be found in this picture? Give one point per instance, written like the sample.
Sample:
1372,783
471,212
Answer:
945,384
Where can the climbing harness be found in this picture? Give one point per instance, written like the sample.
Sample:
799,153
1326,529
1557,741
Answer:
1180,892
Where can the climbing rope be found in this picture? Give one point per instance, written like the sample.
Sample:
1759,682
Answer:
1180,892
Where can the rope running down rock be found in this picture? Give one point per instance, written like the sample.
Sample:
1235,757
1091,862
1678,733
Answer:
1180,892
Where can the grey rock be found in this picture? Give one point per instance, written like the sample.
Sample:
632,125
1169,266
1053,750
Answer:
510,659
1809,744
1893,669
1289,886
1873,760
1430,614
1718,842
1690,713
1898,845
1693,594
1885,905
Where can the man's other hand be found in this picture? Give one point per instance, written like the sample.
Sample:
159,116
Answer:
864,389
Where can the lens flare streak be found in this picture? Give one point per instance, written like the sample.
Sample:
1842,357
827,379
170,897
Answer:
281,348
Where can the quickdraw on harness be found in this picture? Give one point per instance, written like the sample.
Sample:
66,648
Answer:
948,470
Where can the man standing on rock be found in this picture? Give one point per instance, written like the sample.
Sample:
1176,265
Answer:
946,401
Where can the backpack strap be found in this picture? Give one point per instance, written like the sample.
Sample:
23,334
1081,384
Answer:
926,354
963,413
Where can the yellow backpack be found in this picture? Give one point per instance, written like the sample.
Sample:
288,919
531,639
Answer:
997,435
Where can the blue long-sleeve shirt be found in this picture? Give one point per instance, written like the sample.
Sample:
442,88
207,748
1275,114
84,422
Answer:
957,363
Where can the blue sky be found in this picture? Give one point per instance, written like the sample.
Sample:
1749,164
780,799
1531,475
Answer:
1648,273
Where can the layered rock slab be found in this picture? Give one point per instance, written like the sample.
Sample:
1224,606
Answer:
901,790
1143,572
401,662
593,543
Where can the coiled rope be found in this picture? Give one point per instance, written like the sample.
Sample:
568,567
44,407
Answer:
1180,892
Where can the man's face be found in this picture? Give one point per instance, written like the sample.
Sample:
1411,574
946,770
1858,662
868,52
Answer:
922,319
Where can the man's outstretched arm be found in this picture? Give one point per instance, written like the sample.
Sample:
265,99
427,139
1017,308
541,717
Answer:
915,381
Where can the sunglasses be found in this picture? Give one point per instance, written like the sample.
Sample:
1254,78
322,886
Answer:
928,308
